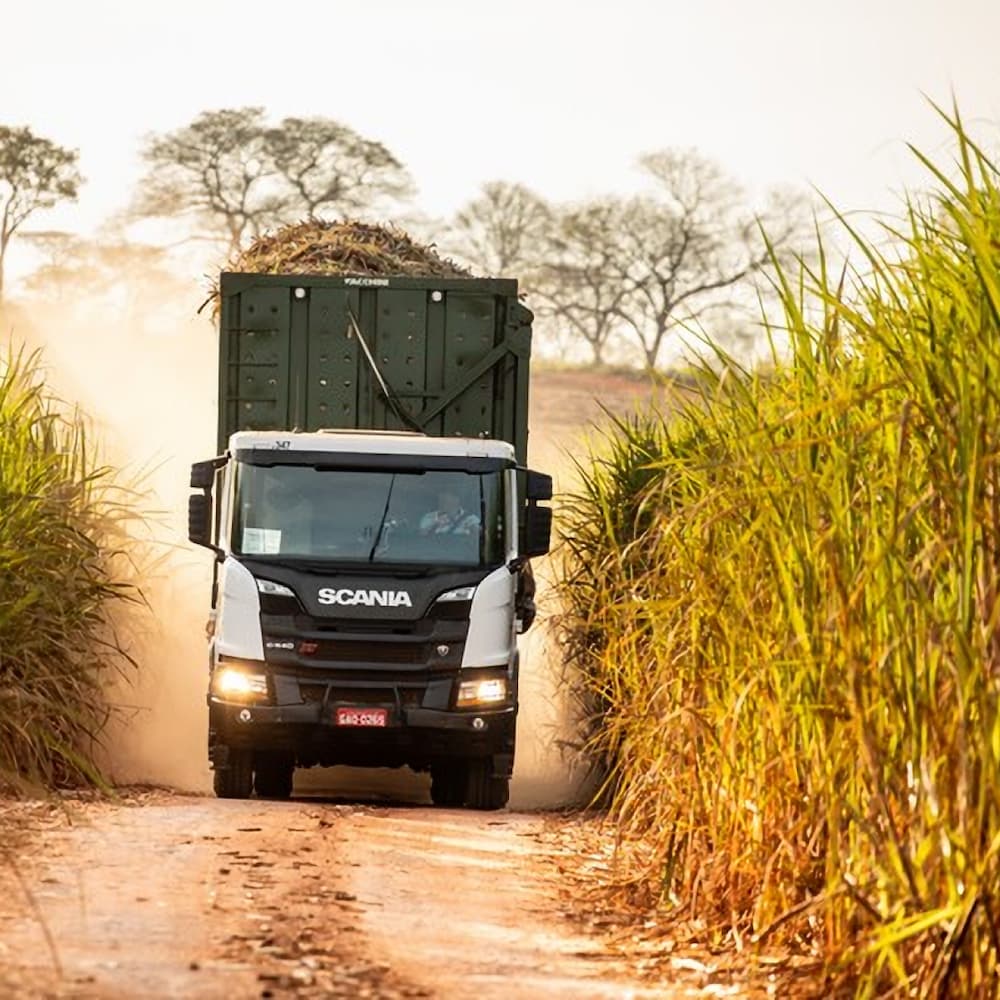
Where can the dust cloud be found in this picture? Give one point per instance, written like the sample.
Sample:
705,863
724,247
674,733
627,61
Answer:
142,365
136,358
568,408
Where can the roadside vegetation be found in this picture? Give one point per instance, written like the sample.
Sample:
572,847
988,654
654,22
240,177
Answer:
783,606
64,570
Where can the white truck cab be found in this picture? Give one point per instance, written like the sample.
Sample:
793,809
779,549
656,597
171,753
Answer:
369,589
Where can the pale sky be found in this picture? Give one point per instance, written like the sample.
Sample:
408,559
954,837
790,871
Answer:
561,96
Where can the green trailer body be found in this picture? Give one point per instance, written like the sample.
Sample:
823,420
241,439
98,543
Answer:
448,357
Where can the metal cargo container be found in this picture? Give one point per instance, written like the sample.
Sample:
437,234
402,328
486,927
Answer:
448,357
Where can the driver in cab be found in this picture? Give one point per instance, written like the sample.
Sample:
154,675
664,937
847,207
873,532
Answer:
450,517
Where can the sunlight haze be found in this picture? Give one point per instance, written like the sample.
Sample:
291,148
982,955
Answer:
560,96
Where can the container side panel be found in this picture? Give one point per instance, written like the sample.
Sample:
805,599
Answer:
434,355
334,361
255,354
298,361
371,412
454,353
471,334
512,413
400,350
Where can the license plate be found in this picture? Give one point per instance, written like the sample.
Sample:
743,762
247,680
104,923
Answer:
361,717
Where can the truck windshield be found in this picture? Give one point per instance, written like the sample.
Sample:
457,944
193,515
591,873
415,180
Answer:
337,515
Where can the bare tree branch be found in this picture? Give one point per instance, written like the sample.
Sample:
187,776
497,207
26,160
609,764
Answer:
216,171
235,176
613,269
578,280
329,167
697,238
499,232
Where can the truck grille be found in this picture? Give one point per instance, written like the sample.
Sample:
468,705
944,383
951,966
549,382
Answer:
306,623
349,651
360,696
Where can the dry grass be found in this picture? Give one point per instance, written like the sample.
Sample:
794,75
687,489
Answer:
64,567
784,609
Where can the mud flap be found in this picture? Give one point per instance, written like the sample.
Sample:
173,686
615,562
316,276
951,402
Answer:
218,756
502,765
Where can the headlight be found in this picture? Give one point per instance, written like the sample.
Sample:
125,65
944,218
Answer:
453,605
277,599
482,691
235,684
459,594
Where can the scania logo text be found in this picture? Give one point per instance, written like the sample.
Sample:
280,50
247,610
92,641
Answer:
369,598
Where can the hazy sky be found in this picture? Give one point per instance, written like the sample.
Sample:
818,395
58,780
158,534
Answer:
560,95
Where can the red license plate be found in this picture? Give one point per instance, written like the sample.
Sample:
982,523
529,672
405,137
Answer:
361,717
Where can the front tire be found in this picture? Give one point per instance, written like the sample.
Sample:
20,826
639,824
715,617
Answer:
483,790
448,783
234,780
273,777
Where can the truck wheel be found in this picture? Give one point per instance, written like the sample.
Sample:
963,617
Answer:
483,790
235,779
448,783
273,777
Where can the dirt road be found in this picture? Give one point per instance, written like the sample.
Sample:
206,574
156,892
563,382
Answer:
182,896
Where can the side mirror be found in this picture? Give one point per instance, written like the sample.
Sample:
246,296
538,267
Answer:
203,473
200,519
538,486
537,531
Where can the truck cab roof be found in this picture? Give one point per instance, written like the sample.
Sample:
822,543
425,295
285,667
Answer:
372,442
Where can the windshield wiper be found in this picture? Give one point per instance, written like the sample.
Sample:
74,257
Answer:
385,514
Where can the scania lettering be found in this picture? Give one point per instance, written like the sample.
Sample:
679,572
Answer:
382,598
372,519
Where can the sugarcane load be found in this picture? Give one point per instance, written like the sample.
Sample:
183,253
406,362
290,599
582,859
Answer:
370,512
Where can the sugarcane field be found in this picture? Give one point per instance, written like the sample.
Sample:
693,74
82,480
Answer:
500,502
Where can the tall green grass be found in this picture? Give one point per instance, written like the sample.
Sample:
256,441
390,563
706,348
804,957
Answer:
64,569
783,606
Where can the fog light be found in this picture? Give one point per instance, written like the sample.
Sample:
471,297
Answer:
487,691
238,685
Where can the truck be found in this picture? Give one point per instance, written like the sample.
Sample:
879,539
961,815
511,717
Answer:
372,519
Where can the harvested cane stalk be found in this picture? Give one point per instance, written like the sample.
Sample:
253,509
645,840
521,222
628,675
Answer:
317,246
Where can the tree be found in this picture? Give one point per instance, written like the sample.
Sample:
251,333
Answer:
648,265
35,174
328,166
572,283
500,231
214,170
108,267
680,254
641,267
235,175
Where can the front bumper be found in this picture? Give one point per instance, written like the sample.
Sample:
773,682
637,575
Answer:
415,736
